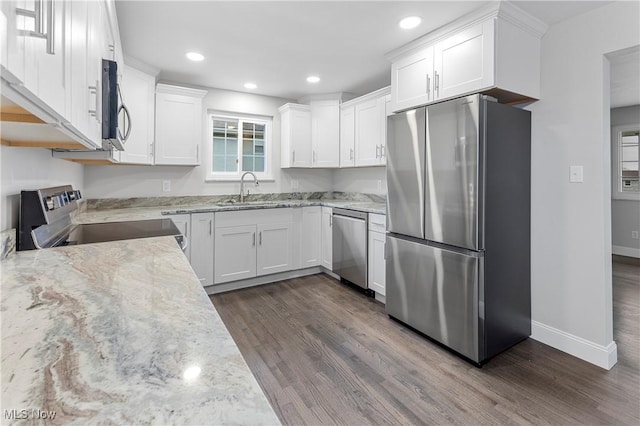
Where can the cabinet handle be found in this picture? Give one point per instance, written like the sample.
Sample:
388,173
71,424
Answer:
314,156
330,220
254,239
37,16
428,85
383,151
93,90
197,153
294,156
351,154
437,88
377,151
260,238
210,227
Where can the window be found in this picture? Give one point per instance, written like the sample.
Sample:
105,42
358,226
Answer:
239,144
625,159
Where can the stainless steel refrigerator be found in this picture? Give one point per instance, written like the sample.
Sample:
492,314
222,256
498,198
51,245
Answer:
458,224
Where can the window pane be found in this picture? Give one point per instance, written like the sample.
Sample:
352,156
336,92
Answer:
629,166
232,163
218,146
259,164
247,147
218,164
629,153
247,163
232,146
259,150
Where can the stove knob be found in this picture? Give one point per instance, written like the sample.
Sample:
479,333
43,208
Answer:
49,203
56,202
78,195
71,195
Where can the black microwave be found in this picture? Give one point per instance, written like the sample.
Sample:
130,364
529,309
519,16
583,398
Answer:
116,120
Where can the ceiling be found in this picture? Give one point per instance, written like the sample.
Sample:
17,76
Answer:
277,44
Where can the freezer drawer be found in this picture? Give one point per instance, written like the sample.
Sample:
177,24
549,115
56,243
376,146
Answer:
436,292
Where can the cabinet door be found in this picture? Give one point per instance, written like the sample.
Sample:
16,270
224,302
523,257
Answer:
138,90
325,133
464,61
300,137
182,221
235,253
347,136
45,74
202,246
311,237
376,267
12,48
78,85
370,117
412,80
275,242
178,129
327,238
95,47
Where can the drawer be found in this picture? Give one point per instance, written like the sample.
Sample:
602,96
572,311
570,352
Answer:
377,222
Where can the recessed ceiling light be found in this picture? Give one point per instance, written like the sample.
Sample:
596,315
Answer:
313,79
250,86
195,56
410,22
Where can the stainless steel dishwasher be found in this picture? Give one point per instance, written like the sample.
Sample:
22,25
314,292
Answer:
350,246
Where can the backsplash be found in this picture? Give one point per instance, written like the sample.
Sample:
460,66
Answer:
121,203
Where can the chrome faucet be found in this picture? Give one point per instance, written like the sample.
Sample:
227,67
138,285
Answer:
242,184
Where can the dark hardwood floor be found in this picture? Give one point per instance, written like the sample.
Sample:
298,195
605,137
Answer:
325,354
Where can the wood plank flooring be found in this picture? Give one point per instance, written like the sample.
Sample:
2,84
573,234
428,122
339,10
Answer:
325,354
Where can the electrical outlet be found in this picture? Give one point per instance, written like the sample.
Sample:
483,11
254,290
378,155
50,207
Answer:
576,174
166,186
634,235
295,184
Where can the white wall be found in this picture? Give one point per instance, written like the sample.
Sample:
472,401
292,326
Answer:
141,181
571,233
31,168
625,214
366,180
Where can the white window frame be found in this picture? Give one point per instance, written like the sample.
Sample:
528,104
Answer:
267,175
616,190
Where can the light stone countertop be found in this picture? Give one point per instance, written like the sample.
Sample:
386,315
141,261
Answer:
104,333
143,213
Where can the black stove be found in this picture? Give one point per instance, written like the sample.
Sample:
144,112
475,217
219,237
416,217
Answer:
45,222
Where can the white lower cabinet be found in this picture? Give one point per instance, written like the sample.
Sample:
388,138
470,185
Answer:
376,264
310,237
182,221
250,243
235,253
327,238
201,243
274,249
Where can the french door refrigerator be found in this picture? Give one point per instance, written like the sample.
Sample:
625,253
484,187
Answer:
458,222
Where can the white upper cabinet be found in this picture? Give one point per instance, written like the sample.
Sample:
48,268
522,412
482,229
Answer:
325,133
12,48
179,121
463,63
347,136
412,80
295,135
138,91
494,50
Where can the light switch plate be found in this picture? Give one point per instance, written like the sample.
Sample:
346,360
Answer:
576,174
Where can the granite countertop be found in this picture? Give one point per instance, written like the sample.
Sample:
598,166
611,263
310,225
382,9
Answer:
142,213
116,333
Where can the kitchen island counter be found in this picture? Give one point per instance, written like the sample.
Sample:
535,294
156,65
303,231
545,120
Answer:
119,332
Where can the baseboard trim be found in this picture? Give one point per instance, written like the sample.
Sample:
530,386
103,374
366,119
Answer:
266,279
625,251
602,356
